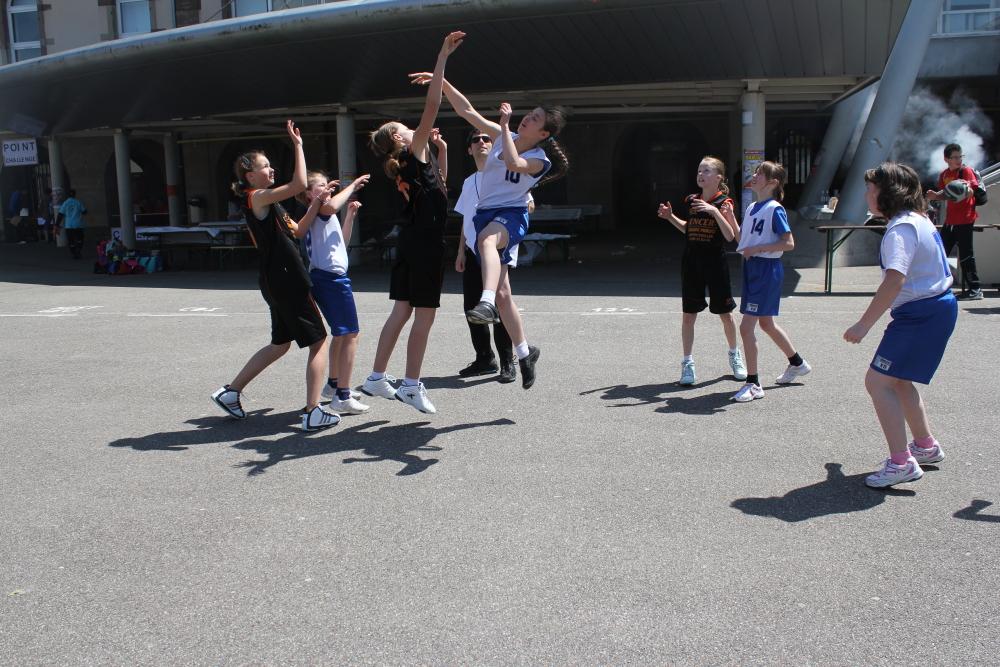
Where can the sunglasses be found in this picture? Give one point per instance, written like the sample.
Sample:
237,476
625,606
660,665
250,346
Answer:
482,137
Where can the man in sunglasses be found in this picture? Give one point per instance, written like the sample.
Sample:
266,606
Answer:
479,145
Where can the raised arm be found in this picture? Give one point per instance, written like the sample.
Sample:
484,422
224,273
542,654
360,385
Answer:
442,153
347,228
345,194
511,157
666,212
420,136
265,197
461,105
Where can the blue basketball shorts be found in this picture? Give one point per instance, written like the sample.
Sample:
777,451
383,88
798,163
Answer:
335,298
914,342
762,278
514,220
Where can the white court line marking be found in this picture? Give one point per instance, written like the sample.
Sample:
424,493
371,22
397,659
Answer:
39,314
176,315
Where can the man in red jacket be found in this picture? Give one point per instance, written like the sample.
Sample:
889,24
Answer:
959,218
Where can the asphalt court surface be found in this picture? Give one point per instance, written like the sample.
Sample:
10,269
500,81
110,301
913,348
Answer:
607,515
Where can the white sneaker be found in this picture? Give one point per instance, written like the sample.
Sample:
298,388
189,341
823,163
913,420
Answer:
318,418
748,392
737,365
381,387
891,474
331,392
926,454
794,372
229,400
416,396
350,406
687,373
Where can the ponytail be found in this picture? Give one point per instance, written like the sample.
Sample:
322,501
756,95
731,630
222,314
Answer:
555,123
557,156
385,146
775,171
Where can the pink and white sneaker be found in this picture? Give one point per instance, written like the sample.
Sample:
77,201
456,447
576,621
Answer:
892,474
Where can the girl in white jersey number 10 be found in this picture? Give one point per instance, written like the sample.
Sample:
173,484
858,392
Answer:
518,162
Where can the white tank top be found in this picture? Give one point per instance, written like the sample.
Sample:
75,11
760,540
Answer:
325,243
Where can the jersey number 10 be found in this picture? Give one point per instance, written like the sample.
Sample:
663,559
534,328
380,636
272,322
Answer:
512,177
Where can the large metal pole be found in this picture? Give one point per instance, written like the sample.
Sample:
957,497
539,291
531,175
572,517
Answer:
58,183
347,160
752,120
123,165
887,109
173,178
848,114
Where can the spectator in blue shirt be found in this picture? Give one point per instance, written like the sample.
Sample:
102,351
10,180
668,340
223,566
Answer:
71,213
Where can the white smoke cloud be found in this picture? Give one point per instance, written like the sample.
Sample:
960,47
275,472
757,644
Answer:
930,123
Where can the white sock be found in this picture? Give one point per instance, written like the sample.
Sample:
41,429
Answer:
376,375
410,382
734,350
522,350
687,358
489,296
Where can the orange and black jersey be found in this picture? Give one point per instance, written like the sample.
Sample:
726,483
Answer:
424,197
702,230
281,265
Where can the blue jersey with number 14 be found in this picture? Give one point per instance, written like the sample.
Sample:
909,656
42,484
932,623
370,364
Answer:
500,187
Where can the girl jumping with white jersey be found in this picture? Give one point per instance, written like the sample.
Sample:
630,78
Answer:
518,162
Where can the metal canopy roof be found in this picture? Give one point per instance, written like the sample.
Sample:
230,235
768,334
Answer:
599,56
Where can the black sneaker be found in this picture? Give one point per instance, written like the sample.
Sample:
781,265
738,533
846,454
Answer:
508,372
483,313
528,366
971,295
485,366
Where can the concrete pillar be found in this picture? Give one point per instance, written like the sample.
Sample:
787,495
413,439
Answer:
174,204
123,168
347,160
58,182
752,122
887,109
849,114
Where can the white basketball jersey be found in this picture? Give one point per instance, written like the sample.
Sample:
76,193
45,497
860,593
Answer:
763,226
325,243
912,246
500,188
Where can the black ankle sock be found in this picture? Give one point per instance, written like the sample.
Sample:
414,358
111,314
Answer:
332,382
795,360
753,379
343,394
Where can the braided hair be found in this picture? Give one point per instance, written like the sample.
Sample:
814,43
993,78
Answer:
555,122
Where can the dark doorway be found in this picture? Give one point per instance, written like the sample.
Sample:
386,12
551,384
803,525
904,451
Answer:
149,188
655,162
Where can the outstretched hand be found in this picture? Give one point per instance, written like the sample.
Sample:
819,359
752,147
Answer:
353,205
505,114
420,78
452,42
702,206
437,139
665,211
361,181
293,132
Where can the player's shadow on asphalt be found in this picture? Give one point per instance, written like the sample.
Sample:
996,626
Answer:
457,382
213,430
664,395
390,443
972,512
837,494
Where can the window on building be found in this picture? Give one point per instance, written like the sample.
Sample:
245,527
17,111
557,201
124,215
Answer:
969,16
133,17
25,34
248,7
